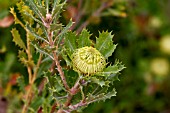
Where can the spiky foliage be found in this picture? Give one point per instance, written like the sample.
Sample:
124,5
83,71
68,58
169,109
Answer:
64,88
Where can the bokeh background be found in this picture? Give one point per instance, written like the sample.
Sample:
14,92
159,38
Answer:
141,29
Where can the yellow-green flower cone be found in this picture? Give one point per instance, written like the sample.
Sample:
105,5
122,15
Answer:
88,60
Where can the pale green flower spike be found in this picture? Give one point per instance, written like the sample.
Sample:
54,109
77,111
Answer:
88,60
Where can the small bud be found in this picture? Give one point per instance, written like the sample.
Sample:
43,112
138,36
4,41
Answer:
83,82
48,20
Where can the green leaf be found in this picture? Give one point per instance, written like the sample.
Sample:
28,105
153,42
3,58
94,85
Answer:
17,21
54,82
41,50
36,103
21,83
45,32
55,86
22,57
39,2
100,97
9,61
55,27
47,5
36,35
34,8
55,3
63,32
42,10
98,81
66,58
23,9
70,42
105,44
116,68
101,90
17,38
57,10
31,16
84,39
71,76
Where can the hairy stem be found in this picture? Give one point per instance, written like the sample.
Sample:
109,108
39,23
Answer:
59,68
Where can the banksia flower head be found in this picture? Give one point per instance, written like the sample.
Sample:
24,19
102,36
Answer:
88,60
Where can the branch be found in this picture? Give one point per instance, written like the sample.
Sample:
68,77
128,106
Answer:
61,73
76,106
59,68
29,69
74,90
32,78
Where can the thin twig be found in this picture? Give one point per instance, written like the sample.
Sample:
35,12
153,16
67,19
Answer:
53,107
32,78
78,16
97,13
86,23
29,69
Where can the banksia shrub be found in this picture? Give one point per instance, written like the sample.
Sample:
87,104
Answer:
66,71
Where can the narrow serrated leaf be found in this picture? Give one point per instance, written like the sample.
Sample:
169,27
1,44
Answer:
17,21
22,57
101,90
63,31
57,9
39,2
47,5
42,10
55,26
34,8
116,68
22,9
54,84
29,15
36,103
35,35
84,39
41,50
100,97
55,3
17,38
21,83
45,32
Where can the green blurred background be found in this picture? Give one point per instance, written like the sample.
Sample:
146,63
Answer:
141,29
